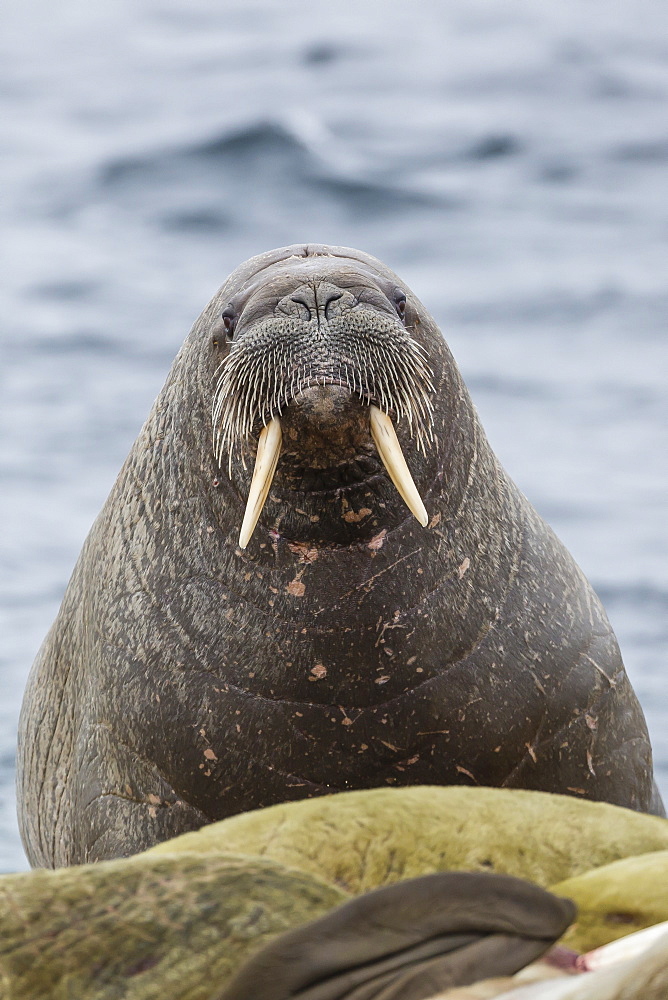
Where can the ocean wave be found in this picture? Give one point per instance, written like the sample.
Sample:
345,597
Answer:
270,150
493,146
651,151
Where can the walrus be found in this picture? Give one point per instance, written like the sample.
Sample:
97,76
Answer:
313,575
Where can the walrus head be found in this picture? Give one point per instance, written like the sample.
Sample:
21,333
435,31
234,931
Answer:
321,362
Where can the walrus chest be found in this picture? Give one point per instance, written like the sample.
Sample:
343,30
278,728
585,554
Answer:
361,694
236,748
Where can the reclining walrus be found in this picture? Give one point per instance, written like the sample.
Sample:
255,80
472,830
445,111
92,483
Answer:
313,575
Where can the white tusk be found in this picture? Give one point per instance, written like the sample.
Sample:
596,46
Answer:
268,450
623,948
389,449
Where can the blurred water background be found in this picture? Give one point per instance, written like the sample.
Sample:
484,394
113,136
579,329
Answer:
509,160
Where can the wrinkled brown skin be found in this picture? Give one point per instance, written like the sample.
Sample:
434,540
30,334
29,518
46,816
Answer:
185,680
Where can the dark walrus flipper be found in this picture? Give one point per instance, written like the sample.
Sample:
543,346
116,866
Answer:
408,941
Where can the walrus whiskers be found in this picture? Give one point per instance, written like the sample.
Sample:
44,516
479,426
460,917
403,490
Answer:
265,370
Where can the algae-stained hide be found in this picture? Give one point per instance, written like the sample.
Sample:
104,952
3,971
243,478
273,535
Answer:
226,928
313,575
144,928
350,895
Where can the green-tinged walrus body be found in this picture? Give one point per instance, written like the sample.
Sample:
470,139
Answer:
617,899
361,840
147,929
346,645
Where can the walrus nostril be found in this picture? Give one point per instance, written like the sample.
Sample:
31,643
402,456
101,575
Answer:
301,302
332,298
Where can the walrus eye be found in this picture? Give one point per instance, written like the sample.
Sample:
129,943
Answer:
229,322
400,304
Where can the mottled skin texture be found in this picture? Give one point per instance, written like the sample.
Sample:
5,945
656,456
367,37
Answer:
185,680
146,929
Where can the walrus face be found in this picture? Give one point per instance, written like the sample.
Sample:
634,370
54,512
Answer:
318,365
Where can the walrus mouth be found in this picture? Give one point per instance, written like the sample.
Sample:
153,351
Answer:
363,350
389,449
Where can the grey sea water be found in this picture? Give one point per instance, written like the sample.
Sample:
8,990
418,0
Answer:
509,160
